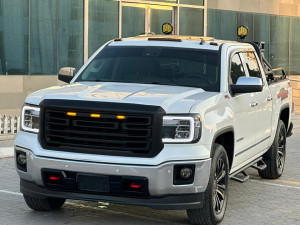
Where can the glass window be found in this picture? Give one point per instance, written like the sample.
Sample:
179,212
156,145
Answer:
252,64
191,21
279,42
228,25
133,21
103,22
237,69
13,37
295,46
70,42
158,18
214,23
262,31
192,2
43,37
246,19
167,1
156,65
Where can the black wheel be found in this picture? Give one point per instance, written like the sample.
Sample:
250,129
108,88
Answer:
216,194
46,204
275,156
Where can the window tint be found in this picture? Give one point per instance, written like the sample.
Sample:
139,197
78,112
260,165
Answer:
252,64
237,69
156,65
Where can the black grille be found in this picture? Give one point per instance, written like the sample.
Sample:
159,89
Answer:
137,134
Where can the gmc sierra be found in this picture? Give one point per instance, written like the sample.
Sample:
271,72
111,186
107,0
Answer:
158,121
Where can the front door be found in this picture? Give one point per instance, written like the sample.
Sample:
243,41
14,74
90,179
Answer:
140,19
244,133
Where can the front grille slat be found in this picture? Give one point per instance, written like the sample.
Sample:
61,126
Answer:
82,145
137,134
82,133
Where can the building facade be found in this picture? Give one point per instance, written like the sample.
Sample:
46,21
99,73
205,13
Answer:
38,37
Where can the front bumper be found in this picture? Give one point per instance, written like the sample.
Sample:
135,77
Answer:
176,202
160,177
163,193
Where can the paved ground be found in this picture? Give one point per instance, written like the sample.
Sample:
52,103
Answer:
254,202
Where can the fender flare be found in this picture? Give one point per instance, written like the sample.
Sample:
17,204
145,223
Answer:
220,132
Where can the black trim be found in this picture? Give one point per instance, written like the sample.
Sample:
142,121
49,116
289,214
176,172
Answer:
117,185
290,130
176,202
65,78
240,89
219,133
241,152
156,113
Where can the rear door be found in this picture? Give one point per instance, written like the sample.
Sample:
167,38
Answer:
261,105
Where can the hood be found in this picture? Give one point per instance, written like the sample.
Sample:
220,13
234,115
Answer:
173,99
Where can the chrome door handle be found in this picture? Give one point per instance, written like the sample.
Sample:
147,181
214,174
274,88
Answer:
253,104
269,98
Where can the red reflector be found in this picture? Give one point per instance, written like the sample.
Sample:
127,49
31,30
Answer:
54,178
136,186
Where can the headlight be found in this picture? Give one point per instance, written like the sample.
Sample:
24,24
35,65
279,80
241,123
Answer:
30,119
181,129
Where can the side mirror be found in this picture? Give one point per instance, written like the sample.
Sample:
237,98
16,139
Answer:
66,74
247,85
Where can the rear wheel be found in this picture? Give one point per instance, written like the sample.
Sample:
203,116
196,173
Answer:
275,156
46,204
216,194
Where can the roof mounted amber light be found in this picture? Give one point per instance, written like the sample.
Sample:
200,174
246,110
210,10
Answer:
120,117
94,115
71,113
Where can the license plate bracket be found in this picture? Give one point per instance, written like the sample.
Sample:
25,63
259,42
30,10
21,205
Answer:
93,183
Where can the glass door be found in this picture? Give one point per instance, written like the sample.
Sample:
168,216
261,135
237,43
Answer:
145,18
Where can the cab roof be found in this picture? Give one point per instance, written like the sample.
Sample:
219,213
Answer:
200,42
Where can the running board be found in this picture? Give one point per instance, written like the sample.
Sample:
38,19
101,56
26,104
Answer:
257,164
242,179
260,165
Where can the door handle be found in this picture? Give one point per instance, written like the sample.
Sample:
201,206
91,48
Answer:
253,104
269,98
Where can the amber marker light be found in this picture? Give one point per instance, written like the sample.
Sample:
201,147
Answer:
120,117
95,115
71,113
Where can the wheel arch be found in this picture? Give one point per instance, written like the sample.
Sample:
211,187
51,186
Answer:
284,115
225,137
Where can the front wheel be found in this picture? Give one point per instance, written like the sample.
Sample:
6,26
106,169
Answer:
46,204
216,194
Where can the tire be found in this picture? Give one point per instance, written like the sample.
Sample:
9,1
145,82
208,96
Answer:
275,156
211,212
47,204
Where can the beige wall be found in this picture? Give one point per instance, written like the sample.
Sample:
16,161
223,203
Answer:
296,92
14,89
278,7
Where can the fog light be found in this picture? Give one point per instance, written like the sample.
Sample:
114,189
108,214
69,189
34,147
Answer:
183,174
22,158
186,173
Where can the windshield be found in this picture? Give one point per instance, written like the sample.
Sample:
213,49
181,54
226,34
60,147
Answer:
155,65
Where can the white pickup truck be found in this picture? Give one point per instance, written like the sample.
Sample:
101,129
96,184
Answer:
158,121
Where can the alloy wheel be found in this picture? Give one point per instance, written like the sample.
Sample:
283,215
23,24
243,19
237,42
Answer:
219,187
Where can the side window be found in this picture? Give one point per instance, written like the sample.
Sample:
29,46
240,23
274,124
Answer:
252,64
237,69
